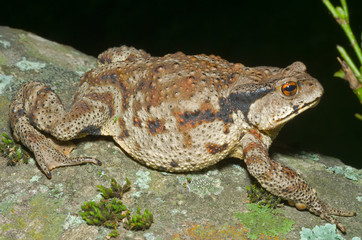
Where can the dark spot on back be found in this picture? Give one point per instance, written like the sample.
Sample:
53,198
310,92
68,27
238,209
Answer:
242,100
174,164
215,148
137,122
90,130
155,126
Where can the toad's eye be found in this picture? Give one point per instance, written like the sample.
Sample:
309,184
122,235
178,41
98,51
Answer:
289,88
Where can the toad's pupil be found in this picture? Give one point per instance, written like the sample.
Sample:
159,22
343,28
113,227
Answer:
290,88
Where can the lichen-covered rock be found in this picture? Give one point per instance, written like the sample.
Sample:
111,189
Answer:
183,205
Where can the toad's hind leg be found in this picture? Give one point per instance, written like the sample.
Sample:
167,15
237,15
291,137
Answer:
284,182
36,107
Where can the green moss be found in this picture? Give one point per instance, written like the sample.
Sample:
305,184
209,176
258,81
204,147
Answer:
262,197
139,221
116,190
110,212
261,220
11,151
41,222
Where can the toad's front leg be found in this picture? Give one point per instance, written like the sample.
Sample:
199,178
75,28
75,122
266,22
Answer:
36,107
284,182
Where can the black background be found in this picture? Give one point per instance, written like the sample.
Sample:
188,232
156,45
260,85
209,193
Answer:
254,33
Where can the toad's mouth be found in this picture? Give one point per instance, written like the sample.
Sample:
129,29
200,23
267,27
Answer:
298,109
305,106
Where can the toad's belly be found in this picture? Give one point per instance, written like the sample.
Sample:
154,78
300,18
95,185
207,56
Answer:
161,144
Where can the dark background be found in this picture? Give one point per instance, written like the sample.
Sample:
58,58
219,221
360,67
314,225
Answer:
272,33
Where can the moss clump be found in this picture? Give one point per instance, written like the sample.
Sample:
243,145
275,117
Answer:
262,197
261,220
110,212
116,190
139,221
13,152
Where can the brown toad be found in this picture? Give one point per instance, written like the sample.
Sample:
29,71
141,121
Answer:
176,113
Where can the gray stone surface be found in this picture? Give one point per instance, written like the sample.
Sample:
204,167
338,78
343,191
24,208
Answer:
33,207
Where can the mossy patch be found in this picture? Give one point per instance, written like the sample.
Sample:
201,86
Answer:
263,221
41,221
11,151
110,212
262,197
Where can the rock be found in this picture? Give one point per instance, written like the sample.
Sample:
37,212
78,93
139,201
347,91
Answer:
184,206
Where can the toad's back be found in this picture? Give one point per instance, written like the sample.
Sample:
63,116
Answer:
167,111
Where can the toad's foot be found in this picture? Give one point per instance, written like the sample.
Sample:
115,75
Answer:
284,182
324,211
49,153
49,158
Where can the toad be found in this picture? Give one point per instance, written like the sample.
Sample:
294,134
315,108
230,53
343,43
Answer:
176,113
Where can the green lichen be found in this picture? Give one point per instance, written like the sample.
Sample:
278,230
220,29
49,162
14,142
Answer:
4,81
142,182
327,231
35,179
312,156
11,151
202,184
56,191
72,221
7,203
349,172
261,220
58,54
110,212
143,179
5,44
24,65
262,197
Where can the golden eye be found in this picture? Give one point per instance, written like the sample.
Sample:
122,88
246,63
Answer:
289,88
